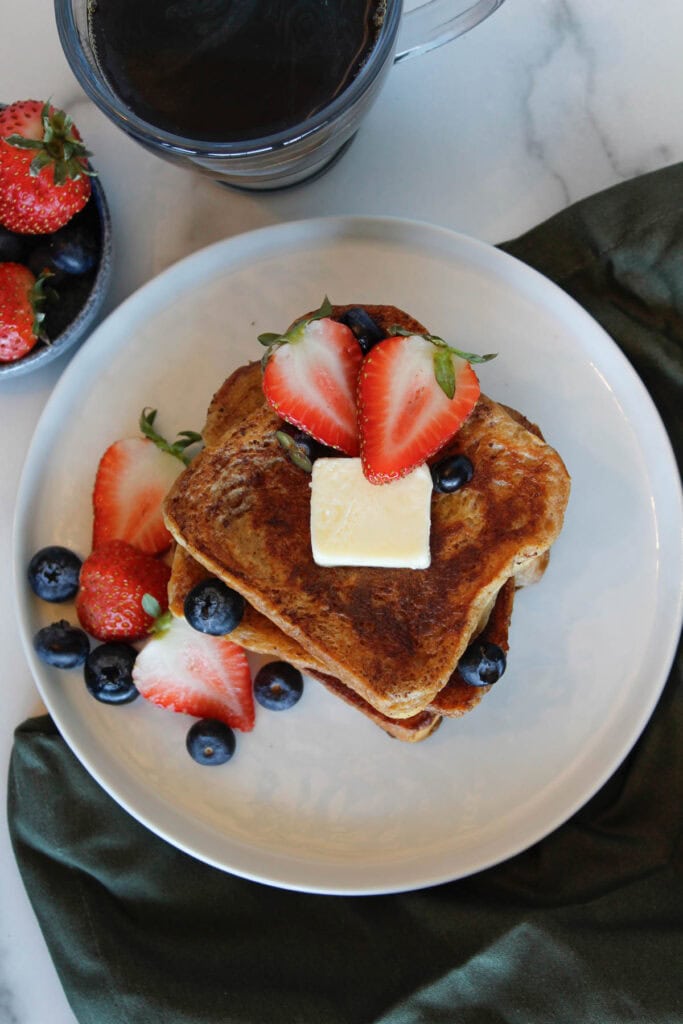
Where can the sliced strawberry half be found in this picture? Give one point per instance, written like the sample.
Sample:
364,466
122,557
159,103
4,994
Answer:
133,478
196,674
414,393
310,379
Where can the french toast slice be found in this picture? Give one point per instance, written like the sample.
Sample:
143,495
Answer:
393,637
258,634
458,697
255,632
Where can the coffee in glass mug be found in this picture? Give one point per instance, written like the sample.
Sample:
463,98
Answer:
259,94
226,71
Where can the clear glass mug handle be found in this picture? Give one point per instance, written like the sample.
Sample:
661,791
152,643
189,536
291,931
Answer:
435,22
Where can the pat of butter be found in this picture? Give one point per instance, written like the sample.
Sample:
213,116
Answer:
354,522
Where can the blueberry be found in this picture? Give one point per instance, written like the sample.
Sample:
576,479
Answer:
452,473
212,607
482,664
278,686
53,573
13,247
62,645
210,742
366,330
109,673
74,248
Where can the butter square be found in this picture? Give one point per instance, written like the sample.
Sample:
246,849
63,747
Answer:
354,522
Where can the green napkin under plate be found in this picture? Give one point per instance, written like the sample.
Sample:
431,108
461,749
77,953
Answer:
585,926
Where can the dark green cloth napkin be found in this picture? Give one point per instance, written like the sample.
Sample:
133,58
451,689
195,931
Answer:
587,925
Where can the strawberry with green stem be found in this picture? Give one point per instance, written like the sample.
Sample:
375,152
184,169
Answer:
22,314
414,392
44,171
309,378
133,477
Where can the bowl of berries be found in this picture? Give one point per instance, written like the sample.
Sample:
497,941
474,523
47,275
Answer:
55,237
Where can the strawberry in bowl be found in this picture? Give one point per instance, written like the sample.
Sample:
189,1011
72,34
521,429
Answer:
22,300
54,220
44,172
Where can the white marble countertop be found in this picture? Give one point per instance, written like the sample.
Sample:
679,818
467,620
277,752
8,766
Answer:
546,102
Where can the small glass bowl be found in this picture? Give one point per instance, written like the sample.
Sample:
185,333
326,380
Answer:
85,319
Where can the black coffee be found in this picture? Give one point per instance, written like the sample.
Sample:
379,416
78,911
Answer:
230,70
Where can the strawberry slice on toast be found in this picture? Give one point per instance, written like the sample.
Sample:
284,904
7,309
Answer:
310,377
197,674
414,393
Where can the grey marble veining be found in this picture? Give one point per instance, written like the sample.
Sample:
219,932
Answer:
9,1011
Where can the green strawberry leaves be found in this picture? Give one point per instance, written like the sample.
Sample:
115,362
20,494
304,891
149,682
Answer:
443,358
295,452
273,341
58,148
38,296
444,371
184,440
162,619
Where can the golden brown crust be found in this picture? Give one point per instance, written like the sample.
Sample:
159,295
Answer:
237,396
258,634
394,637
457,697
255,632
242,510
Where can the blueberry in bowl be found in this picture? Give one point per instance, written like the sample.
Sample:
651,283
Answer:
55,264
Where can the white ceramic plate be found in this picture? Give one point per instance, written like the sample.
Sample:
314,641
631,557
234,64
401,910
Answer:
317,798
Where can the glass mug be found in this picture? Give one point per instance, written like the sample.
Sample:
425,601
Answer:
278,156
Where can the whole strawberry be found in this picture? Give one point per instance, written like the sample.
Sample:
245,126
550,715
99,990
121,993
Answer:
22,297
113,581
44,174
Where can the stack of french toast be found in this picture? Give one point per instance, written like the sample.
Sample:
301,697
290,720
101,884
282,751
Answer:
387,641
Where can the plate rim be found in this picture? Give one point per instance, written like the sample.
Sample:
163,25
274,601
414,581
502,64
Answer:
320,229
